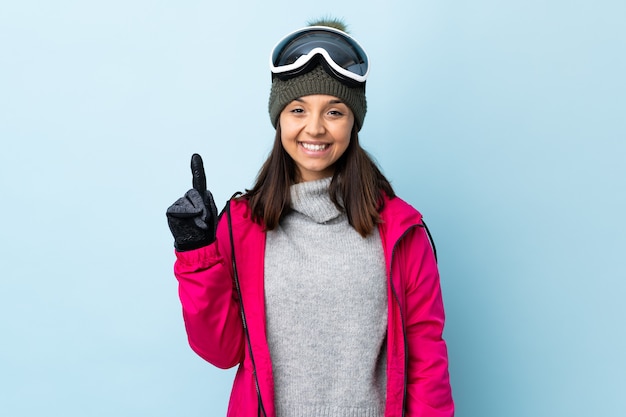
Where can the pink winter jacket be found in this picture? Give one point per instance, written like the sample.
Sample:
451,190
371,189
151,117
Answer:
417,365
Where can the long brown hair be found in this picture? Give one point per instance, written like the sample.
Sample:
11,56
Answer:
356,187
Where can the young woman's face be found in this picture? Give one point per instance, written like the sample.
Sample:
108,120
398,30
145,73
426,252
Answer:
315,132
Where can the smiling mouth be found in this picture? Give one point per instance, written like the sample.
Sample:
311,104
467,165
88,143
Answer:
315,147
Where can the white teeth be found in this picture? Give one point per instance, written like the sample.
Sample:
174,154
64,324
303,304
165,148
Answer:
312,147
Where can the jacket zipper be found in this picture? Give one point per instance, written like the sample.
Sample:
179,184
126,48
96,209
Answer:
404,335
261,408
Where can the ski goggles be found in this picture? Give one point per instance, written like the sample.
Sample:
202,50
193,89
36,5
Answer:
300,51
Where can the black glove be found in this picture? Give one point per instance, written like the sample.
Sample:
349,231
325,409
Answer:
193,218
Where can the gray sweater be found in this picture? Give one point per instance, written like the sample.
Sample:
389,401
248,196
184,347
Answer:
326,306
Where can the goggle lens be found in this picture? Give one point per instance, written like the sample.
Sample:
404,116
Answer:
345,57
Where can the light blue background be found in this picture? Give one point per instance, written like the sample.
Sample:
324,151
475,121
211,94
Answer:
503,122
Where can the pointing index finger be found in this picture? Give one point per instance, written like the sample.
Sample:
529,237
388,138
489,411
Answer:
197,172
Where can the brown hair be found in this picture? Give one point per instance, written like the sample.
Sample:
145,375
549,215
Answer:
356,187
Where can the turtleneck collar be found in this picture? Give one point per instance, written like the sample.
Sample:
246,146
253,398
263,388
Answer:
312,199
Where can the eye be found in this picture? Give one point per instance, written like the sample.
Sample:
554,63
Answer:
294,109
335,113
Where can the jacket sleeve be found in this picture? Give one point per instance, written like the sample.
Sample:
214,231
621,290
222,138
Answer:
209,301
428,383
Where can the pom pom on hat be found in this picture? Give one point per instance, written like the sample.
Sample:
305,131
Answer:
331,22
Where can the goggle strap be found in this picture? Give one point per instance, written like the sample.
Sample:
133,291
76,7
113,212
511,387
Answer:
304,61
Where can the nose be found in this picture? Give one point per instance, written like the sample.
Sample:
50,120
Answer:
315,125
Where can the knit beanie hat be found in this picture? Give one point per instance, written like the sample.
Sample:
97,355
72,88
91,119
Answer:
316,81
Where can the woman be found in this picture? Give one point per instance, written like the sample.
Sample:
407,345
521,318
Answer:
319,283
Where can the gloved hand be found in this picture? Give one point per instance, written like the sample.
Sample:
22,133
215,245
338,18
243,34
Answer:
193,218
